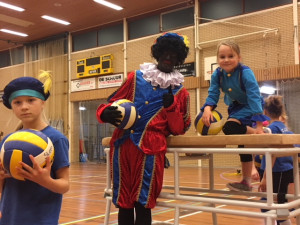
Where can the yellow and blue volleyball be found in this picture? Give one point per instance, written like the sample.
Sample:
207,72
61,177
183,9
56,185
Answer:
129,113
213,129
19,145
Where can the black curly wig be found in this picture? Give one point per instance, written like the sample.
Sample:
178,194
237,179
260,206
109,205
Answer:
170,42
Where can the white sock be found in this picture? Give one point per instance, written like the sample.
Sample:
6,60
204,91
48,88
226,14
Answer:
248,180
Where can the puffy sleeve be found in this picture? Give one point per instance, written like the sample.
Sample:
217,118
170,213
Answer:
254,98
213,92
178,114
252,91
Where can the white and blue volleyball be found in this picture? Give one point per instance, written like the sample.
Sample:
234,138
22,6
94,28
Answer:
215,126
19,145
129,113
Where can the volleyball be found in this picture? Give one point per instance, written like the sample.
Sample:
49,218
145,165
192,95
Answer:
129,113
19,145
215,126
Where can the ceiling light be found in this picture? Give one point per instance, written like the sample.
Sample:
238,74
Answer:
109,4
9,6
14,32
82,108
55,20
267,90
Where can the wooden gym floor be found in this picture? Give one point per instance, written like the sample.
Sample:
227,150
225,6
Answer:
85,204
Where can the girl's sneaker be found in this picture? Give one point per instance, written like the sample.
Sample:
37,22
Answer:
239,186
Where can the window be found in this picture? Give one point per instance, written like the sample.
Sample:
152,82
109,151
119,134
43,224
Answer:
218,9
255,5
177,19
4,59
34,52
110,35
85,41
143,27
12,57
17,55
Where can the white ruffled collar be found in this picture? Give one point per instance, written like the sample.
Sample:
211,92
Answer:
157,77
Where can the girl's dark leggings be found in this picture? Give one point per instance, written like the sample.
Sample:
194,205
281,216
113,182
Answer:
231,128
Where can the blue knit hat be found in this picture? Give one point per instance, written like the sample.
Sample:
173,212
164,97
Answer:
24,86
174,35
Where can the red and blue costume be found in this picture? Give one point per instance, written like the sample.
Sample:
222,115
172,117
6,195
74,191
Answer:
138,155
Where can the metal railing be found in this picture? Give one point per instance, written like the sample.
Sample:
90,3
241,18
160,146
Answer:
276,211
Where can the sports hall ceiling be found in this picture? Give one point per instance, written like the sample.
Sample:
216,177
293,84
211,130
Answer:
82,14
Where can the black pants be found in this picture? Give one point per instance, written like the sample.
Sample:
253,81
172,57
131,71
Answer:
232,128
281,181
142,214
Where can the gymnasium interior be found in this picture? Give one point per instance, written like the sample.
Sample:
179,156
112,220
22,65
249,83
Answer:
91,50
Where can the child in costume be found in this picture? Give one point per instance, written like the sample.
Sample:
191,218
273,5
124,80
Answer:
138,154
244,102
38,199
282,172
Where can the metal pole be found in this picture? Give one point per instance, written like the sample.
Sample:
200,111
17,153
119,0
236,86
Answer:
125,37
108,188
296,39
269,179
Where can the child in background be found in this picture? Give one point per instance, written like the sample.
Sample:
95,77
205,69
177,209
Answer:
38,199
282,171
244,102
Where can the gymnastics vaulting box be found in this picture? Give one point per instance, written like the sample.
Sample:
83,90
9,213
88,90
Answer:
94,66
